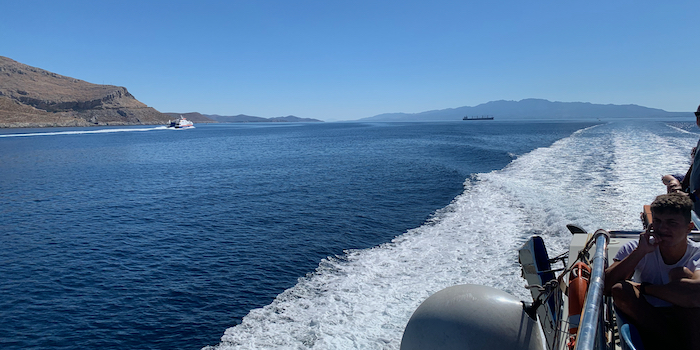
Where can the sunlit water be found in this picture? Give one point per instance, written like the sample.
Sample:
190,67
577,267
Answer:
322,236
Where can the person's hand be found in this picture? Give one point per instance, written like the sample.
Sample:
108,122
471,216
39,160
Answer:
677,273
631,286
666,179
634,284
647,241
672,184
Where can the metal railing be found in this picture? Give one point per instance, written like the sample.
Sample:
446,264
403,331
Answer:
590,325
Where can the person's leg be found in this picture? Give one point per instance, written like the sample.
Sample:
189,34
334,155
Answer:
650,321
688,325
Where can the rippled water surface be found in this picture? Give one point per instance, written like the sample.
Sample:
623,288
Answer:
322,236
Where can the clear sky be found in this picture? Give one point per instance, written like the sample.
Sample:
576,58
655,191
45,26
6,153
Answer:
342,60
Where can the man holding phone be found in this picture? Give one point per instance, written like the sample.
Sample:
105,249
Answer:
655,281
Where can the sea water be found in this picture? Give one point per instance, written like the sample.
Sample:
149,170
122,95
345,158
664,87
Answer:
318,236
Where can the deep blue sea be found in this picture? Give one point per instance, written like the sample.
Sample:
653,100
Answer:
294,236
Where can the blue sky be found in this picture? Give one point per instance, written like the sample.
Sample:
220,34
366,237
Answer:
343,60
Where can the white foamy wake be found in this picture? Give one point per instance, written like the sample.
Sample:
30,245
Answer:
598,178
80,132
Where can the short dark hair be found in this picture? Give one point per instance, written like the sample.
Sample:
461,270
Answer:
673,203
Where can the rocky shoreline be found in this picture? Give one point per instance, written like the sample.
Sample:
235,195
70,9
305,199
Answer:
33,97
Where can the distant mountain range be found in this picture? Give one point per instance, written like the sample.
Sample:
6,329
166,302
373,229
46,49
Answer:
532,109
33,97
241,118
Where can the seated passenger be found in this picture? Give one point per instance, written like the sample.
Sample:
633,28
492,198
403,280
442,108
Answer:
655,282
689,183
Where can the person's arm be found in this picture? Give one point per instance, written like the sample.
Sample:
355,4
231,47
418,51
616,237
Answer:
686,180
621,270
624,269
683,292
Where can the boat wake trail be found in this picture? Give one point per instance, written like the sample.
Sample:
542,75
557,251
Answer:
80,132
598,177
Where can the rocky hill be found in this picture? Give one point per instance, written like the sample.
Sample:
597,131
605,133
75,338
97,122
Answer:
33,97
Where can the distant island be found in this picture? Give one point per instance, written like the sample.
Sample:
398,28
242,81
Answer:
532,109
241,118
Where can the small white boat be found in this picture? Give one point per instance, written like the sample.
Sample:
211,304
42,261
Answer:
181,123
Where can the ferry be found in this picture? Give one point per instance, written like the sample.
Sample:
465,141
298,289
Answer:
569,310
181,123
483,117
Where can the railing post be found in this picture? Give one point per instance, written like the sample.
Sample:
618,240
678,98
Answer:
592,310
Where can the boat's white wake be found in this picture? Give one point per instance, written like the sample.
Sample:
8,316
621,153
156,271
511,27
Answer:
80,132
597,178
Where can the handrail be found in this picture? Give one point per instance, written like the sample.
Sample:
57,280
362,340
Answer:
594,298
694,217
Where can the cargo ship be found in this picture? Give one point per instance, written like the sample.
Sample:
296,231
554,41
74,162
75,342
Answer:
484,117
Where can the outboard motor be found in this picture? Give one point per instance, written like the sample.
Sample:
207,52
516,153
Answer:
472,317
